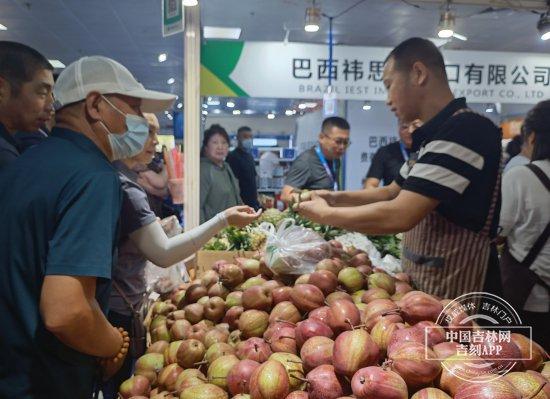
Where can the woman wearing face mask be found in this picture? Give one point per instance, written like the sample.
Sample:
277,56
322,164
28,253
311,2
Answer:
142,238
219,186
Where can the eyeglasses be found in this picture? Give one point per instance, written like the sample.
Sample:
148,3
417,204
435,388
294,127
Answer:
340,142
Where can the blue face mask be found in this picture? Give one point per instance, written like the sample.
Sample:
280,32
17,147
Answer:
130,143
248,144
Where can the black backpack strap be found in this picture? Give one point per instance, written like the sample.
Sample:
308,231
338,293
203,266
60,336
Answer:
544,179
541,241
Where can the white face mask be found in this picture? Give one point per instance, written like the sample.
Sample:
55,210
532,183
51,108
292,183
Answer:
130,143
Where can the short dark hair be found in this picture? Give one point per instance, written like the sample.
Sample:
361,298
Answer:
417,49
538,121
513,148
211,132
19,63
335,121
243,129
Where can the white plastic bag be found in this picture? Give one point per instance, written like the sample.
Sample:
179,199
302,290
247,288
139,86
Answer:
164,280
293,249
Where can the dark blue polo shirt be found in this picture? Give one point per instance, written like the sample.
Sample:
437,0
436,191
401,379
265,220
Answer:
9,150
59,209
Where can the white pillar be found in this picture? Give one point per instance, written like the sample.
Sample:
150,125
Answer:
192,115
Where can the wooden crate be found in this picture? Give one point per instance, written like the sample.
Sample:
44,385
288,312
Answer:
205,259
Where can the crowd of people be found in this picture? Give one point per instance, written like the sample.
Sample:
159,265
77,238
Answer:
79,220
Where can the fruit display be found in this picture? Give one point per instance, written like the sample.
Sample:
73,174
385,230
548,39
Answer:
347,330
234,239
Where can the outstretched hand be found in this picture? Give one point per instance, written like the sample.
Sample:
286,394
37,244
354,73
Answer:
315,209
241,216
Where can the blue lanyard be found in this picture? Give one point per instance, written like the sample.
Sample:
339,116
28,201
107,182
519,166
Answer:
331,174
404,151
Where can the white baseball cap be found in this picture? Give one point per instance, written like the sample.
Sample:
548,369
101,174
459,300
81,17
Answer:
106,76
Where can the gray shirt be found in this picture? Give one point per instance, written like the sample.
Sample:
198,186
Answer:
129,270
219,189
307,172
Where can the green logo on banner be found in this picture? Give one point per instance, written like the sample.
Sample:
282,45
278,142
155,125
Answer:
218,61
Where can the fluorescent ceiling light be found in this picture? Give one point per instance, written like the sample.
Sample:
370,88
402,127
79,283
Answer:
180,105
3,27
205,105
367,106
460,37
270,116
248,112
216,111
190,3
489,109
204,112
57,64
230,104
171,81
212,101
311,105
289,112
545,36
302,106
162,57
216,32
236,112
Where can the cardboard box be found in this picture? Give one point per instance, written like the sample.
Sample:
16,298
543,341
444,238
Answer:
205,259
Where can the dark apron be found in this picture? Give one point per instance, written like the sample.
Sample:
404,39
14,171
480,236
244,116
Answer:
517,279
447,260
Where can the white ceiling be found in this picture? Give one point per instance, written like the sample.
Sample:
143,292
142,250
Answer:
130,30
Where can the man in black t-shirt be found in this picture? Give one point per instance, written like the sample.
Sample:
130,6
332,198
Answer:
244,168
446,198
389,159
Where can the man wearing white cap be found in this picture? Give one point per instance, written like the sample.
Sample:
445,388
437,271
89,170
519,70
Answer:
60,221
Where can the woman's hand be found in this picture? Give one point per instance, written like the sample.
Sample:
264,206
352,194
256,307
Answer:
241,216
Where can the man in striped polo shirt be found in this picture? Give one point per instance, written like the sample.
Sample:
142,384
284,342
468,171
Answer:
446,198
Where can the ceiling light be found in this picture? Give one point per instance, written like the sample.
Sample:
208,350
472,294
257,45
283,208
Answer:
216,32
460,37
190,3
311,105
57,64
216,111
302,106
367,106
313,19
212,101
248,112
446,24
162,57
230,104
171,81
236,112
204,112
180,105
205,105
3,27
289,112
271,116
544,26
490,108
169,116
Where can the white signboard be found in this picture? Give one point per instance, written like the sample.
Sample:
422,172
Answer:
272,69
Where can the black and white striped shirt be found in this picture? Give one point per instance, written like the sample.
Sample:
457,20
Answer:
457,163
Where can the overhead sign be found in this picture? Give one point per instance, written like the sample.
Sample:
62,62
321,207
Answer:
273,69
172,17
